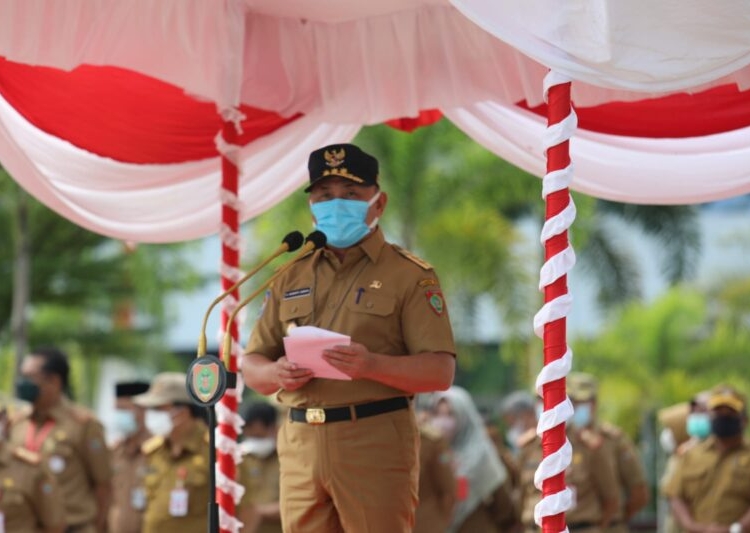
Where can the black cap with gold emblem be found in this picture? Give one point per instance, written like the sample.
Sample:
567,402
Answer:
344,160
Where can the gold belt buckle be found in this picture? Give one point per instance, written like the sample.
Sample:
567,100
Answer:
315,416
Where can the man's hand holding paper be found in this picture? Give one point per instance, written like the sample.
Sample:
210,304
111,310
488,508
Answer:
306,345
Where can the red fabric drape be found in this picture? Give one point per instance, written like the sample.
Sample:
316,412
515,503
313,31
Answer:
123,115
716,110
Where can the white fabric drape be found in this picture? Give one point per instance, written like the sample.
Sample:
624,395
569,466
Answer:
626,169
157,203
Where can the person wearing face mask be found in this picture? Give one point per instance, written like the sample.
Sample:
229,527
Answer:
342,435
591,475
696,427
709,490
128,463
67,436
177,469
259,473
30,499
582,389
483,495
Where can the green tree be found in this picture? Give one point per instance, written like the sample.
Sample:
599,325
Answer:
90,294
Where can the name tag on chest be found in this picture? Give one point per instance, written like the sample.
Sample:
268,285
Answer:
297,293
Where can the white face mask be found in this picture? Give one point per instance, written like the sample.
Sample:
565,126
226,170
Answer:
159,423
258,447
514,434
124,422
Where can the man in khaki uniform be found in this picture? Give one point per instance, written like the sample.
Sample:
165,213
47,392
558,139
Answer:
30,499
349,448
437,482
259,472
177,469
67,436
709,489
631,476
591,475
128,462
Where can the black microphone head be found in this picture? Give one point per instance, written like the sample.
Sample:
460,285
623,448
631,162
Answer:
293,240
318,238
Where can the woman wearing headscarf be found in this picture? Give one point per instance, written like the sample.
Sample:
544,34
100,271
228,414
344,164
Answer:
484,500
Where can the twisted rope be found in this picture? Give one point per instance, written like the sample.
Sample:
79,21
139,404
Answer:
550,321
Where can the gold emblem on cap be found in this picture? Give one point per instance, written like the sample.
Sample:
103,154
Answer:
334,158
376,284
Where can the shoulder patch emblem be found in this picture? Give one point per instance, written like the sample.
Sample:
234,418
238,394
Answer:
413,258
435,299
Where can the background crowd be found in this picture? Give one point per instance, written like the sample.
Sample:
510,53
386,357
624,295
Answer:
476,475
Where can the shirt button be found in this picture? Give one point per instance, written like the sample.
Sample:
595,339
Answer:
369,305
294,309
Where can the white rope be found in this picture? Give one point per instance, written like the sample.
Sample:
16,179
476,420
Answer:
227,486
228,522
229,447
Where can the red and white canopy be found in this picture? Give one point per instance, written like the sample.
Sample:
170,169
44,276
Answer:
109,110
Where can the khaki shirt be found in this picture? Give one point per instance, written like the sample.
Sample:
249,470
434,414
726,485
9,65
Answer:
128,492
437,483
30,499
591,475
71,442
714,486
167,473
381,296
260,477
630,470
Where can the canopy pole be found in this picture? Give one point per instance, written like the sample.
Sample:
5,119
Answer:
550,321
228,491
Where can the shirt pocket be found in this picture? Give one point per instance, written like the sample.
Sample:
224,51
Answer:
296,311
372,304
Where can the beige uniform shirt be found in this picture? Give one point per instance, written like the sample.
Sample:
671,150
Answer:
591,475
381,296
437,483
260,477
630,470
714,486
128,492
168,475
30,499
71,442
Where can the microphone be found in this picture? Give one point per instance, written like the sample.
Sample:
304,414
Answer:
291,242
314,241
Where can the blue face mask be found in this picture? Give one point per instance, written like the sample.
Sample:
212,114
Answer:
343,221
698,425
581,415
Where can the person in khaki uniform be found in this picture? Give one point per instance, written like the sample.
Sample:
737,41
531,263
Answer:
437,482
128,463
348,451
30,500
709,489
177,468
67,436
591,475
259,472
631,475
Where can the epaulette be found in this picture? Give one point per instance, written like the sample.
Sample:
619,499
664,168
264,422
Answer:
152,444
610,430
591,439
20,414
526,437
27,456
81,414
413,258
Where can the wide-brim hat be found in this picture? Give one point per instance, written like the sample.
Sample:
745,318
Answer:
581,387
167,388
727,396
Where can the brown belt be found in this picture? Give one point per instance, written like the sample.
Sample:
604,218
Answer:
339,414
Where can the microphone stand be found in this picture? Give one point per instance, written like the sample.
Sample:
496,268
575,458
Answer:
213,505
